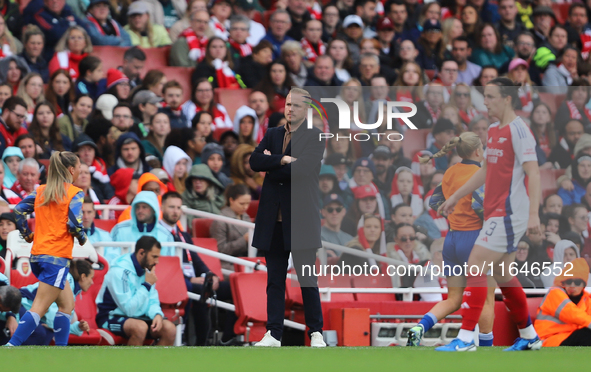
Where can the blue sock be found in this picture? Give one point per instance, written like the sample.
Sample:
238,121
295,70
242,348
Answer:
428,321
485,339
61,328
26,327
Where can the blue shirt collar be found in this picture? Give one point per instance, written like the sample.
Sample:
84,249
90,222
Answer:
472,162
140,271
146,227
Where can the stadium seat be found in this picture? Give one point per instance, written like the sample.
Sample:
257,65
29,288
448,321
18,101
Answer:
373,282
341,281
267,17
250,299
2,266
561,11
252,209
44,162
213,263
183,76
430,74
548,178
156,58
550,100
111,56
201,227
232,99
18,253
172,289
31,223
106,225
217,133
413,141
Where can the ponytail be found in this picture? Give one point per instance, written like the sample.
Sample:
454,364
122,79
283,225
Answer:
58,175
466,143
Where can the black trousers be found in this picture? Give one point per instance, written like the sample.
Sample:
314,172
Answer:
580,337
277,261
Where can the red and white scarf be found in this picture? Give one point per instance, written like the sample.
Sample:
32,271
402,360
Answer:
196,44
220,29
98,169
98,26
311,52
219,117
586,43
527,104
468,115
5,51
575,113
244,49
224,74
434,115
17,188
414,256
315,11
416,201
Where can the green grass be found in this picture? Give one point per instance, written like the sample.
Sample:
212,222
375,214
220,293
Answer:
361,359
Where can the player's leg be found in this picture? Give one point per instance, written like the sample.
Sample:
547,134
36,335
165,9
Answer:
136,330
61,323
166,335
487,316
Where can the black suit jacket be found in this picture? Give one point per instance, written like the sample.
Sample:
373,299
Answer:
284,185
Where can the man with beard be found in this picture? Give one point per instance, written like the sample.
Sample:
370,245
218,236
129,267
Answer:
563,153
382,160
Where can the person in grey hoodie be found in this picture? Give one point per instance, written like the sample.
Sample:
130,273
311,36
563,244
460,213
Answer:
213,156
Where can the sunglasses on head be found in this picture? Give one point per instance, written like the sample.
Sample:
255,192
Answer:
404,239
331,209
577,282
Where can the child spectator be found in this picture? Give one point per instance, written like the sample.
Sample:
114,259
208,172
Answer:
241,173
213,156
581,175
406,191
118,85
92,80
11,158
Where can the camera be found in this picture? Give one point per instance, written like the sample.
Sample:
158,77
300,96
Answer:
207,290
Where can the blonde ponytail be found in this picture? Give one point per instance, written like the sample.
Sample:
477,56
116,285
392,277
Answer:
466,143
58,175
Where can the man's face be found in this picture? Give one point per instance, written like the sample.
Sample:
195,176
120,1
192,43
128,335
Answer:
449,73
508,10
525,47
173,97
382,163
148,260
295,108
86,154
27,146
144,213
298,7
363,176
543,22
279,25
133,68
313,31
334,213
221,10
398,14
435,96
573,132
367,12
199,23
578,17
152,186
171,210
324,69
88,215
122,118
55,6
239,32
28,178
14,118
368,68
34,46
130,153
460,52
325,183
379,88
100,11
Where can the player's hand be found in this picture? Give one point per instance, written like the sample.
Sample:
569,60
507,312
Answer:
83,325
447,207
533,225
151,277
11,324
267,152
157,323
567,185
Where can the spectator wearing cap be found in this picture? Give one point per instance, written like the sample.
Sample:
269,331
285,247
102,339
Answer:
129,153
341,169
219,22
213,155
518,72
7,224
279,25
72,48
74,123
333,212
238,46
542,18
443,132
430,45
144,105
189,48
133,64
509,25
33,42
385,36
249,8
461,50
352,33
383,161
103,29
54,18
364,172
118,85
88,152
141,30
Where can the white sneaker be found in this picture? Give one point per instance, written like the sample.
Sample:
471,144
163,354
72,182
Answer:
268,341
317,340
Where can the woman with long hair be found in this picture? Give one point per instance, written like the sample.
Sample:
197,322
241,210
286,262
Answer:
72,48
490,51
46,131
470,21
407,52
575,105
276,85
410,82
9,45
74,123
452,8
451,28
153,81
542,127
30,90
141,30
54,203
60,91
217,66
487,74
203,99
431,47
528,95
338,49
241,173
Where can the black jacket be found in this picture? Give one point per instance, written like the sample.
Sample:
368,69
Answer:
303,222
251,72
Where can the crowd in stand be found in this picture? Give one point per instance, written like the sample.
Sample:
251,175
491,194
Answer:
142,145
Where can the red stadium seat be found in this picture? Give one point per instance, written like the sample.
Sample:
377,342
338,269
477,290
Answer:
183,76
341,281
201,227
172,289
232,99
111,56
252,209
561,11
213,263
156,58
31,223
548,178
217,133
267,17
2,266
413,141
106,225
250,299
550,100
373,282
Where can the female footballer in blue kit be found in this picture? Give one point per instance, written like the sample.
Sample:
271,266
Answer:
58,214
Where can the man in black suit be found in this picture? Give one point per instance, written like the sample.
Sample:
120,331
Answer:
291,156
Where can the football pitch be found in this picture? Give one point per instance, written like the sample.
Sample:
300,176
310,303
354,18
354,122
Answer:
184,359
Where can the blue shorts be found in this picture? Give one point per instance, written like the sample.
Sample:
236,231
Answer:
48,273
456,251
115,323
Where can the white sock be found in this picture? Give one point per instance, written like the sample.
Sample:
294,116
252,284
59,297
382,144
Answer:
528,332
466,336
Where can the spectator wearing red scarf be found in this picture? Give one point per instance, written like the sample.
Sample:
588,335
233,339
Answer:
72,48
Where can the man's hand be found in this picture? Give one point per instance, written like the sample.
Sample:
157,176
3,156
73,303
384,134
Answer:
552,237
245,236
151,277
157,323
267,152
287,159
197,280
216,283
83,325
11,324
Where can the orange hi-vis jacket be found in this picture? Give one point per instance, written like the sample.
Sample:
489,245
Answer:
463,218
52,236
558,316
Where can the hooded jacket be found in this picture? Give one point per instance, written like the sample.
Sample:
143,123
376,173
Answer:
241,113
557,263
172,156
9,178
145,178
20,63
125,292
131,230
201,202
144,167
